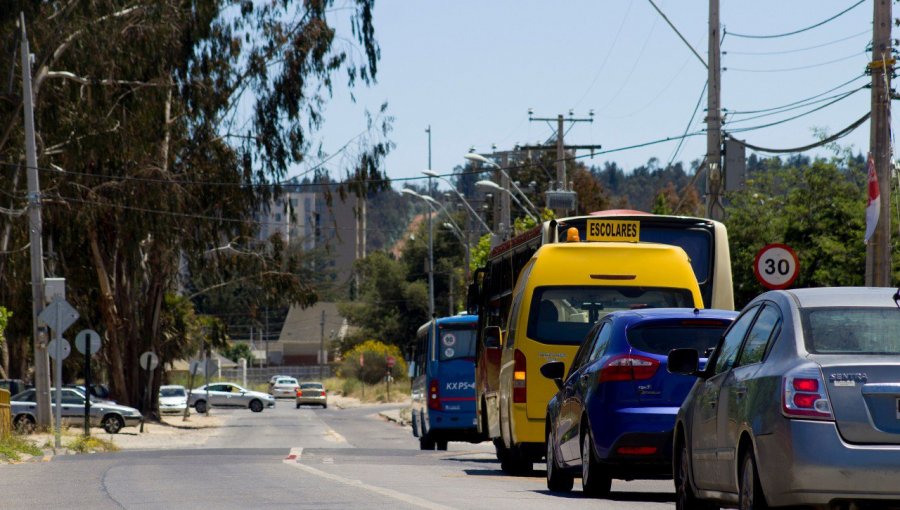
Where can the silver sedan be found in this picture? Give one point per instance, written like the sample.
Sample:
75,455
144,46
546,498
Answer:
799,405
109,415
229,395
312,393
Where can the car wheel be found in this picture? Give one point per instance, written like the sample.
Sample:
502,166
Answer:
201,406
426,442
685,499
751,495
298,406
594,481
324,406
256,406
112,423
24,424
557,480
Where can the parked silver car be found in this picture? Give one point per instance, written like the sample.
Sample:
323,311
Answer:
799,405
229,395
111,416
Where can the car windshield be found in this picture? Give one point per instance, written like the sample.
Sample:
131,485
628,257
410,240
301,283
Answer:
171,392
852,330
563,315
311,386
456,343
660,339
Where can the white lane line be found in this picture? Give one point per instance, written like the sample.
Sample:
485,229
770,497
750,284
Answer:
390,493
332,435
295,455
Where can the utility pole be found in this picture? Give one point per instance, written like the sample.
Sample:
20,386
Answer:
323,358
714,208
562,199
878,250
35,233
430,237
503,179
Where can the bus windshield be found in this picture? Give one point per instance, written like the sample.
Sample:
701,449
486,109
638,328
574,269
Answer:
563,315
456,343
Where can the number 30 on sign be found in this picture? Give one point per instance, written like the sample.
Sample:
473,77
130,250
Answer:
776,266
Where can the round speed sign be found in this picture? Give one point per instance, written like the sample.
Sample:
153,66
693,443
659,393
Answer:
776,266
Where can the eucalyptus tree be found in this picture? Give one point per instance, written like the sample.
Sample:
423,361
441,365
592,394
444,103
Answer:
162,126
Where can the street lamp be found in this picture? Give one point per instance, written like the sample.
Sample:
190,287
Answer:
491,185
407,191
471,156
432,173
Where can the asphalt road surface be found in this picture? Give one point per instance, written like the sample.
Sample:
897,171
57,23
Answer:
301,458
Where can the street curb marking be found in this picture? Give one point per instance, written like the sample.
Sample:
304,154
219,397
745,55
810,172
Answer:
294,455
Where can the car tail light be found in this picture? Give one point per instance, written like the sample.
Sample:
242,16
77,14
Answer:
520,383
299,392
323,393
628,367
434,397
803,394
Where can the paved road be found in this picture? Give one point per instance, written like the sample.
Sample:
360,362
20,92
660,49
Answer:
306,458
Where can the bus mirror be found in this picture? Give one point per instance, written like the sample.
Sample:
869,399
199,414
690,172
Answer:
493,337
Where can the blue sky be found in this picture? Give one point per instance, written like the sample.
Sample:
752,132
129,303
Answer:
471,69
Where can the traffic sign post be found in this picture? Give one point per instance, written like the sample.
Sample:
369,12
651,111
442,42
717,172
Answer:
776,266
149,361
87,341
59,315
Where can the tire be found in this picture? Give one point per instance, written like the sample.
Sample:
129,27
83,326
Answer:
557,479
112,423
201,407
516,462
298,406
441,445
750,494
324,406
256,406
426,442
594,481
500,449
24,424
685,499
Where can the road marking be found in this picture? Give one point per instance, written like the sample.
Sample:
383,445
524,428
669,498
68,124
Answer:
331,435
390,493
295,455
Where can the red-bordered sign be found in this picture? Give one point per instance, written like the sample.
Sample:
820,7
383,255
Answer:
776,266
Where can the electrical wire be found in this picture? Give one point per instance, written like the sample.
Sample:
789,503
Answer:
789,69
608,54
796,50
688,126
794,32
828,98
762,110
633,66
840,134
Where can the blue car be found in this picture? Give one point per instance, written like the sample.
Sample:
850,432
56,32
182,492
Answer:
614,413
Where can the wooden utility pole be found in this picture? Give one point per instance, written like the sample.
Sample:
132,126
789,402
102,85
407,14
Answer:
35,232
714,209
878,250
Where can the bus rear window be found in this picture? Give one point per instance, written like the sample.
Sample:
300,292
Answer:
456,343
563,315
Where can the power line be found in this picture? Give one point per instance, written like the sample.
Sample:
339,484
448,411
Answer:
608,54
688,126
788,69
782,121
761,110
797,50
840,134
810,103
794,32
685,41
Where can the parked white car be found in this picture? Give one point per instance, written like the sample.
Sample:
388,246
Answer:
172,399
285,387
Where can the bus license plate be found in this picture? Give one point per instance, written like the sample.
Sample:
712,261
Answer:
614,230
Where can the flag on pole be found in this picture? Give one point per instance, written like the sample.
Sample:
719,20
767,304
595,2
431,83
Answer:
873,206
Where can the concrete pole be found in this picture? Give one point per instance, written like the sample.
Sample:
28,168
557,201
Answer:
878,251
560,155
714,119
322,356
430,238
505,216
35,233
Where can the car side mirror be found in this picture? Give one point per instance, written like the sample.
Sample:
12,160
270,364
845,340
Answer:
554,370
683,361
493,337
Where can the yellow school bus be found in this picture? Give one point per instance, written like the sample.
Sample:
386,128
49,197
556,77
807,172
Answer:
561,291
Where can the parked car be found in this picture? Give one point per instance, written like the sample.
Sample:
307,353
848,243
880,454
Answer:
229,395
285,387
112,417
799,405
172,399
312,393
275,378
95,393
614,413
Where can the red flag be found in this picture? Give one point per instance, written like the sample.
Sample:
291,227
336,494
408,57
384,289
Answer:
873,206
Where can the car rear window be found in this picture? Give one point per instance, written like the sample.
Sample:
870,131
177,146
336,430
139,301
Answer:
851,330
308,386
171,392
690,334
286,381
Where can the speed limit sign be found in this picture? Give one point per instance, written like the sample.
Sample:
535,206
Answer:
776,266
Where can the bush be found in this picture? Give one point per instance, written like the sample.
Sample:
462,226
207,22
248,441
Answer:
374,355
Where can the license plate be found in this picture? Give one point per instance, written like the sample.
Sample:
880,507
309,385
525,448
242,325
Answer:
613,230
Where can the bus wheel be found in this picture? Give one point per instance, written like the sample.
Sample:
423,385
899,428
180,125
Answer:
517,462
426,442
500,449
441,445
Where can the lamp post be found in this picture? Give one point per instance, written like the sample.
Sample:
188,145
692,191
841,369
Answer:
432,173
471,156
407,191
491,185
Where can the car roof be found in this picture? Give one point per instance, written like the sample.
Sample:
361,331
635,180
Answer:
167,386
842,296
645,314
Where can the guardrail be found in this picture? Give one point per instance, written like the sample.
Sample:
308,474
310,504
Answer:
5,415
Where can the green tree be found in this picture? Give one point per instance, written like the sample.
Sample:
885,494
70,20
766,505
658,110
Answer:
236,351
374,367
